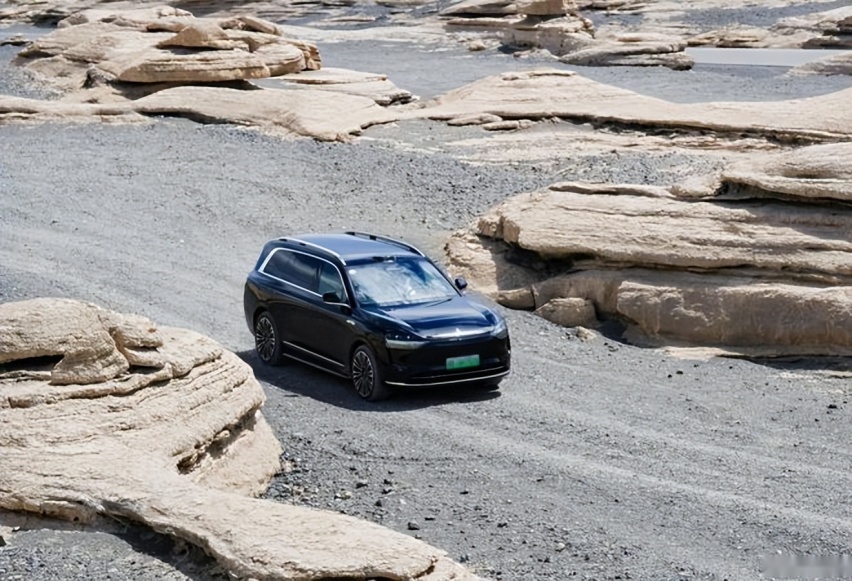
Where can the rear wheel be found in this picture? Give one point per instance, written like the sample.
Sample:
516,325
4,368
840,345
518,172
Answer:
366,375
267,341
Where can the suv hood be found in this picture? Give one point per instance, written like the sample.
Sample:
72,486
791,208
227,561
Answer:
458,317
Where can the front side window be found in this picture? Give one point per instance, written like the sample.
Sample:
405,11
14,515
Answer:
399,281
330,281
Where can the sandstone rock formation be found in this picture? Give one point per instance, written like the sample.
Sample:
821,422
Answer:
167,45
828,29
548,93
557,26
757,259
126,65
838,64
103,414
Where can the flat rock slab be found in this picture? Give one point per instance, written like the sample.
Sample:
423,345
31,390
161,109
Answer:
103,414
550,93
372,85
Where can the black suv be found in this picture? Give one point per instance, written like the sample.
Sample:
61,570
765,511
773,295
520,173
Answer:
372,309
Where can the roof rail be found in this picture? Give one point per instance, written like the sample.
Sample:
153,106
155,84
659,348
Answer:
312,245
393,241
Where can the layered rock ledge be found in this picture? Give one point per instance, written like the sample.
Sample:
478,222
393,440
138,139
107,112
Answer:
104,414
757,260
132,64
548,93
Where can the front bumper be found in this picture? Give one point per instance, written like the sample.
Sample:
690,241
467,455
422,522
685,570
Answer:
427,366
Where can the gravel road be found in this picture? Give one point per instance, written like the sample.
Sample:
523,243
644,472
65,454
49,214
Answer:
597,460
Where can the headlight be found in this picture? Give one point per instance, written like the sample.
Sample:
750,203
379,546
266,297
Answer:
403,341
500,329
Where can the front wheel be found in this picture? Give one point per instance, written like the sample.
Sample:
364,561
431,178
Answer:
366,375
267,342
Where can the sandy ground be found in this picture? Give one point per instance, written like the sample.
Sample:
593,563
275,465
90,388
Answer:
597,460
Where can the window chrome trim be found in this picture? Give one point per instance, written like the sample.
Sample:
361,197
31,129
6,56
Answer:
311,353
262,271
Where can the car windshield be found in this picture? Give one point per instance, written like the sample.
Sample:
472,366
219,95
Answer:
397,281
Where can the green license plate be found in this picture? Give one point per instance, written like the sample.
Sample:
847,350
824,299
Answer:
463,362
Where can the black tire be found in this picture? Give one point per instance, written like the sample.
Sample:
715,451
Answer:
366,375
267,341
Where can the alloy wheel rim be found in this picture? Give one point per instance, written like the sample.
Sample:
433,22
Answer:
362,374
264,338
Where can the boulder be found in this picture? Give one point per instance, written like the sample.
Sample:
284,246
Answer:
569,312
177,443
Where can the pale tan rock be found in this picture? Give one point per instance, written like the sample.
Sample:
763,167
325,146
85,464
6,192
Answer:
674,233
793,319
559,36
202,35
839,64
324,115
281,58
135,46
161,66
476,119
569,312
516,299
504,125
484,23
486,262
827,29
476,45
374,86
819,171
633,51
256,24
481,8
551,93
542,7
140,18
182,451
90,343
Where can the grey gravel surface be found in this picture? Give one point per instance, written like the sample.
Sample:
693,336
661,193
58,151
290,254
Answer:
597,460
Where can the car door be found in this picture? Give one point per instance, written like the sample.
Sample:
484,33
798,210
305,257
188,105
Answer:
331,330
293,275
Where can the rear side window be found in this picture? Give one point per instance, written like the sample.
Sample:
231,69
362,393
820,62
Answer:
295,268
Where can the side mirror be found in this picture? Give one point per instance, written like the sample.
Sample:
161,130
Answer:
331,297
461,283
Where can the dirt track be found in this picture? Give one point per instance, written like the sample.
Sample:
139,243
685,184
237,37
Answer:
597,460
